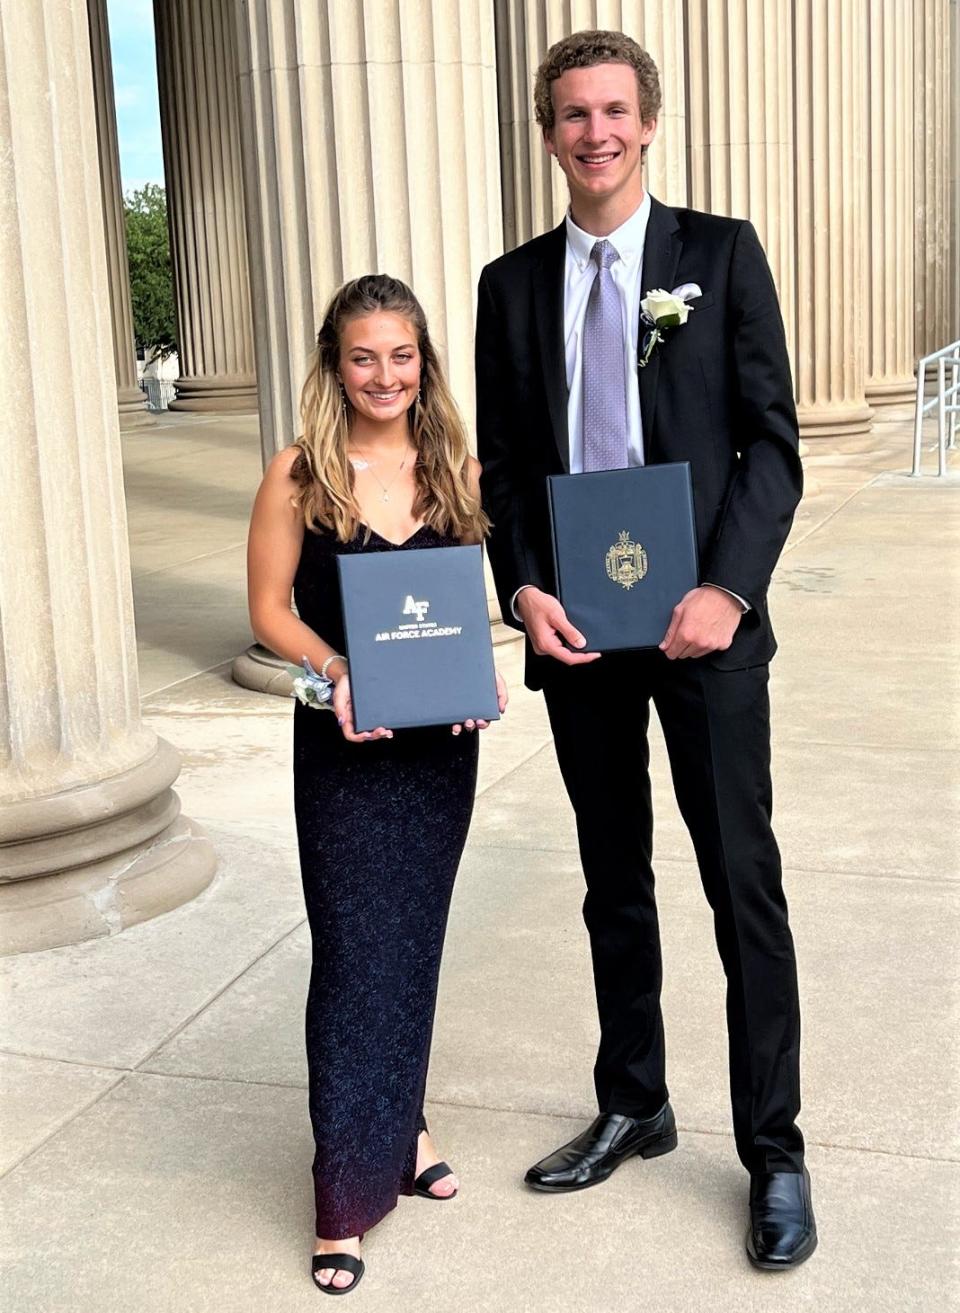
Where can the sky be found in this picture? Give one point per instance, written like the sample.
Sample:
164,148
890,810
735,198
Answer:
135,89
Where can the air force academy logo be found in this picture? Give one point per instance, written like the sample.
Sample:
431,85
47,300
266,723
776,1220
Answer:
416,625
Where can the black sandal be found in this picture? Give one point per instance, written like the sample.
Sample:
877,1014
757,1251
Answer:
339,1263
430,1176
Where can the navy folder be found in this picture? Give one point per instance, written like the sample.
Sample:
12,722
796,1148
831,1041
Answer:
418,637
625,551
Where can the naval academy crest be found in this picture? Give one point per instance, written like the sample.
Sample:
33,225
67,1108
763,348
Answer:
626,561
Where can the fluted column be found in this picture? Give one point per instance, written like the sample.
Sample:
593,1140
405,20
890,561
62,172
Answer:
534,189
740,83
199,117
953,318
891,359
369,143
935,115
131,399
91,839
830,181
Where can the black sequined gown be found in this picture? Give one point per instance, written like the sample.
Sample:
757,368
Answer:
381,827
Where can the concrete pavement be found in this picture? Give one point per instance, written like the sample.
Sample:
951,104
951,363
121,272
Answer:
154,1127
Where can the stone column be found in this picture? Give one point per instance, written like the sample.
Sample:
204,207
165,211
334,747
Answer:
534,188
199,118
891,359
369,143
90,836
830,182
935,115
740,86
131,400
954,311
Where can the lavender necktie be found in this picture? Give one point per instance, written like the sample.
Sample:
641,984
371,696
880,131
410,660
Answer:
604,381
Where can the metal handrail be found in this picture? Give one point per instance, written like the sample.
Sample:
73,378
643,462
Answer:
946,357
160,392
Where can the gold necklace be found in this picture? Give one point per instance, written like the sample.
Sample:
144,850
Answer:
385,487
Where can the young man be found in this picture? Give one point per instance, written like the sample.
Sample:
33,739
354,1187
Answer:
559,390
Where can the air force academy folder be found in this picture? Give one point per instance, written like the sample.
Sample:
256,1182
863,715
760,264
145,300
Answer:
418,637
625,551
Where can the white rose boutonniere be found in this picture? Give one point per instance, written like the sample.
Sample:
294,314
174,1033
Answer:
661,311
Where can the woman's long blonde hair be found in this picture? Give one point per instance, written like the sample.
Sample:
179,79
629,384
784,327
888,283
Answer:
323,471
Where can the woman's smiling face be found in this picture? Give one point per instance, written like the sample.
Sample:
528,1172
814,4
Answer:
380,365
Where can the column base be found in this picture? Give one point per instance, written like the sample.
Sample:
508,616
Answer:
892,392
501,633
833,421
91,861
262,671
107,897
217,392
132,409
810,485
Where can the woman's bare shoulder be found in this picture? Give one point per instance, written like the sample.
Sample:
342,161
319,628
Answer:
474,470
282,464
279,473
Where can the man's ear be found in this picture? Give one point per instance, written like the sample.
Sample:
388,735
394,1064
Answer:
548,142
648,131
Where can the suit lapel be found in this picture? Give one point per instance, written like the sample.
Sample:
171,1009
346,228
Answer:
661,255
548,300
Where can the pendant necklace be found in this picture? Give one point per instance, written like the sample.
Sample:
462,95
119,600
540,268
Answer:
385,487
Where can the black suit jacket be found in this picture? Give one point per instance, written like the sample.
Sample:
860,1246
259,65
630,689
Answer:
716,393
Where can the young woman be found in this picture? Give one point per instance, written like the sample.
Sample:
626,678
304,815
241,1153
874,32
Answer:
382,466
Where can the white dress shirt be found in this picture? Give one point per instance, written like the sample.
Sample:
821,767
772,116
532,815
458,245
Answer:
627,274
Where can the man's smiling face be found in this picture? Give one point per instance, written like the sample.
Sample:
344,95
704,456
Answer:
597,133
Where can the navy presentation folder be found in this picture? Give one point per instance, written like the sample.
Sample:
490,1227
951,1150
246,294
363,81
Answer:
418,637
625,551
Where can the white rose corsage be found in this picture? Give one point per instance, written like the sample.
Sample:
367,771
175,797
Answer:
661,311
313,690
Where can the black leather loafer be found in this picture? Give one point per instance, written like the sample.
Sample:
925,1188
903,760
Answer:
783,1232
598,1151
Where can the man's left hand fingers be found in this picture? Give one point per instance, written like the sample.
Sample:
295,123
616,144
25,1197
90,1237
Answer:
672,628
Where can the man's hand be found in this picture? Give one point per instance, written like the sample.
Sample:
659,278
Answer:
546,624
703,621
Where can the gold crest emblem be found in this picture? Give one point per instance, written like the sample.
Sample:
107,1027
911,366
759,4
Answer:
626,561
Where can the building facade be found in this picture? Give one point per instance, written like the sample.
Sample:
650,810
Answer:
309,141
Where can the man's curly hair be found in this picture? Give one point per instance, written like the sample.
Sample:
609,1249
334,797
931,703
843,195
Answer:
583,50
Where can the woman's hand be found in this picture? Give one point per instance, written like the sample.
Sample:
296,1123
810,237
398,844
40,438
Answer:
503,697
343,710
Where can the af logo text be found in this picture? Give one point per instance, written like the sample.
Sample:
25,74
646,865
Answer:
412,607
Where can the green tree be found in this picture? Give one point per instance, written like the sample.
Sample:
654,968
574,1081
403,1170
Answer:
151,277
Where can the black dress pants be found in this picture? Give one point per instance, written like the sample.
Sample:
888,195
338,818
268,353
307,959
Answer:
717,730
